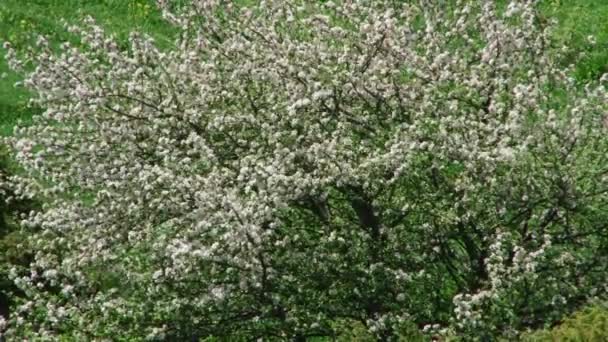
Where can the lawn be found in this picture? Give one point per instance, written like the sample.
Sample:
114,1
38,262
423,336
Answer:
22,20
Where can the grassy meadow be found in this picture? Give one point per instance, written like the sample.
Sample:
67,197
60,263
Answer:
22,20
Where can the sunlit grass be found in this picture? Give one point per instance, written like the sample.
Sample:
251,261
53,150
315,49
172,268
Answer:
22,20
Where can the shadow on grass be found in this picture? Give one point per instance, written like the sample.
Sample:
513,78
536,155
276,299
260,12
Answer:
12,114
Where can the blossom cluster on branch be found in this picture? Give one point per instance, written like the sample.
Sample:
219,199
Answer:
289,164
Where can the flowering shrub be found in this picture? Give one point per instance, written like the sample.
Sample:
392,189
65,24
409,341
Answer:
290,164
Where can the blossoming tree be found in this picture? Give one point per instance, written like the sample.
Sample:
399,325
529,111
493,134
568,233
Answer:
287,165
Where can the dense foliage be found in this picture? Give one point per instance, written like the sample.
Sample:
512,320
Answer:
13,242
410,166
588,325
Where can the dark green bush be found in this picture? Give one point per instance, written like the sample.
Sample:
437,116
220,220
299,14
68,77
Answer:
587,325
12,240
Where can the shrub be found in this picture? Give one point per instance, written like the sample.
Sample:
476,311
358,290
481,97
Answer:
590,325
290,165
13,244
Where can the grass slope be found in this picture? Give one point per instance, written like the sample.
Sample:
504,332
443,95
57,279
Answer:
22,20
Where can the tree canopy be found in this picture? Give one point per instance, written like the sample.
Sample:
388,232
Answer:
428,166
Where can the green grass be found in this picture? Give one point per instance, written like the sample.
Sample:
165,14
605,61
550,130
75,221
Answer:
579,19
22,20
